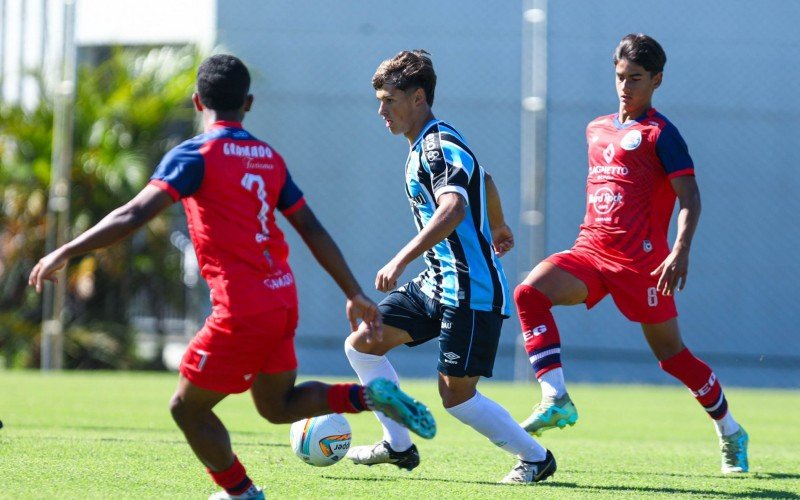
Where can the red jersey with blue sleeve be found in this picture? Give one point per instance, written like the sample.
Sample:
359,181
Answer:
629,197
230,184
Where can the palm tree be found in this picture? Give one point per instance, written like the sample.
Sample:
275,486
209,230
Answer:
130,109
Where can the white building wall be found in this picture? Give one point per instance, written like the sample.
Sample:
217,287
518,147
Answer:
31,33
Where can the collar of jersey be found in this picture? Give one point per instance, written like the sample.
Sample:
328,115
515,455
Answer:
225,124
431,123
648,113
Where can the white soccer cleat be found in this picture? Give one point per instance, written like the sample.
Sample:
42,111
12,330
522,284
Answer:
531,472
382,453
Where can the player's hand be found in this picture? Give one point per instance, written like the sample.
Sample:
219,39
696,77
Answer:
503,239
672,272
361,307
386,280
46,269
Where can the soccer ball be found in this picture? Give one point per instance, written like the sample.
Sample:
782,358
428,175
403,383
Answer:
321,441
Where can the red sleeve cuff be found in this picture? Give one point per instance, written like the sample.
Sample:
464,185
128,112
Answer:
682,172
166,187
294,208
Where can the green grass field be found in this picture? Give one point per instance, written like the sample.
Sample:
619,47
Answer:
104,435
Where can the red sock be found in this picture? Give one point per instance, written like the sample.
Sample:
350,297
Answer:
234,479
699,378
347,398
542,341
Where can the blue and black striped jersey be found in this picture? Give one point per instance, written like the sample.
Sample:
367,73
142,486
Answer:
462,269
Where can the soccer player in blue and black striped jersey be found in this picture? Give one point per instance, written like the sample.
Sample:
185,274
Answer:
462,296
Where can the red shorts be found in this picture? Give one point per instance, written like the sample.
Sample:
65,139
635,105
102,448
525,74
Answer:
227,354
633,290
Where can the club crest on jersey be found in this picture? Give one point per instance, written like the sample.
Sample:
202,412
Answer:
431,142
631,140
608,153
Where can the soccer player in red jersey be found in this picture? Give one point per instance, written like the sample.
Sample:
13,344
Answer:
230,184
638,164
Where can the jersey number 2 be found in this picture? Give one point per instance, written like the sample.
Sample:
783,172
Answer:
253,182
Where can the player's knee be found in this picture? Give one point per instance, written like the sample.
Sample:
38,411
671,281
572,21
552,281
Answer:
521,292
529,297
357,343
454,393
275,415
178,410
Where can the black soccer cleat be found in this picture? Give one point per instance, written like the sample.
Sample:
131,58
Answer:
531,472
382,453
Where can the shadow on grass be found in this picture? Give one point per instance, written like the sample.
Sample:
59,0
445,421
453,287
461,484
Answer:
588,489
761,475
405,478
681,492
774,475
139,440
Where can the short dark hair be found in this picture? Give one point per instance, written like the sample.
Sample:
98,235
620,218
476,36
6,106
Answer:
408,70
223,82
643,50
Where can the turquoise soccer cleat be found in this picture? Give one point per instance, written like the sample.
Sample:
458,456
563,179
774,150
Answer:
734,452
384,396
551,413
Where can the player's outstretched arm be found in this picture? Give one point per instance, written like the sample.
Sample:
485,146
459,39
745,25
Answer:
113,227
502,237
329,256
675,268
448,215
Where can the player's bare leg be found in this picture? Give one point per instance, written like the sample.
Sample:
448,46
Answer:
547,285
664,338
675,359
280,401
192,409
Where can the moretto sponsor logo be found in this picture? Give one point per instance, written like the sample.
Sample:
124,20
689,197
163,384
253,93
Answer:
608,170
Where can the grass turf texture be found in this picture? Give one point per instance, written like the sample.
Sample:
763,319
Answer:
103,435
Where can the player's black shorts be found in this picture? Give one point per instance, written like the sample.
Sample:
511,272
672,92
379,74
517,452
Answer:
467,338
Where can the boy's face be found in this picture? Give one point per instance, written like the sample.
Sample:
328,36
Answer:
635,86
398,107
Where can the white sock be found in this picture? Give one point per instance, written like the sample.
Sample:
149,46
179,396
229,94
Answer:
494,422
726,425
553,384
368,367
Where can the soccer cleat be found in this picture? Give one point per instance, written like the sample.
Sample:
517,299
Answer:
382,453
384,396
551,413
734,452
254,493
531,472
